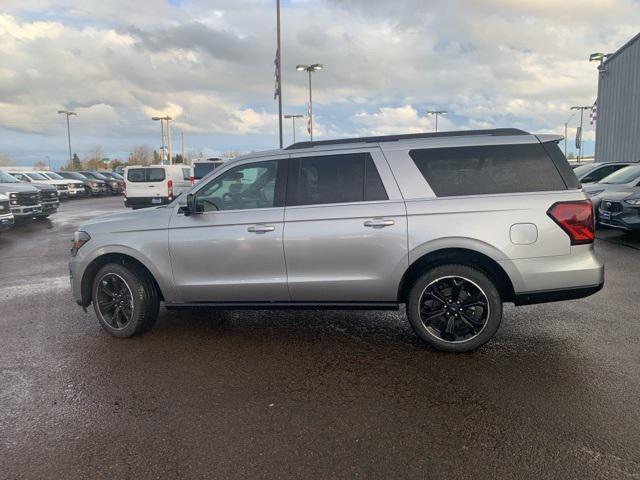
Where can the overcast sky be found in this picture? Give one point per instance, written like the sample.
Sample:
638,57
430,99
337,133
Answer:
209,64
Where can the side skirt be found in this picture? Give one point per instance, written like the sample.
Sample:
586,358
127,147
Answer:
289,305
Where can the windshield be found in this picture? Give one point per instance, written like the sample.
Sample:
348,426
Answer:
582,170
75,175
624,175
99,176
36,176
6,178
117,176
54,176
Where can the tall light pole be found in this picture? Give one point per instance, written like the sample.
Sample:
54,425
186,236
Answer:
566,125
579,143
278,72
437,113
166,118
310,69
68,113
293,117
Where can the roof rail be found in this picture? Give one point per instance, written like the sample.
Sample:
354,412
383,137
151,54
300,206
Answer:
496,132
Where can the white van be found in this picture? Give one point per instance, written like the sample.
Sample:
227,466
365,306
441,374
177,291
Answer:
155,185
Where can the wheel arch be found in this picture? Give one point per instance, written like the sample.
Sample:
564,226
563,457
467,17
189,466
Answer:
113,257
463,256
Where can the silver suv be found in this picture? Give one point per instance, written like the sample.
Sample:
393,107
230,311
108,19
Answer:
450,224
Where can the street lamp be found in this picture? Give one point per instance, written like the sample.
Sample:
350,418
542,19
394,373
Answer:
436,113
566,125
579,136
293,118
310,69
166,118
68,113
599,57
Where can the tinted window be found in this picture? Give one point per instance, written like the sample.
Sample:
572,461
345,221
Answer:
201,169
186,173
624,175
488,170
244,187
145,175
337,179
600,173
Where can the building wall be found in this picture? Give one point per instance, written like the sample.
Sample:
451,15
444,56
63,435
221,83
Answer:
618,123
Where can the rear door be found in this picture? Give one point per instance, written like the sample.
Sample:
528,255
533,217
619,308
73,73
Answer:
147,182
345,233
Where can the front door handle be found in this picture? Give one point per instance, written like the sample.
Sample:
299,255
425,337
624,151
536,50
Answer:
379,223
261,229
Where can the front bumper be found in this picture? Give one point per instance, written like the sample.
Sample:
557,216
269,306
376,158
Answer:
48,208
19,211
77,192
619,215
6,221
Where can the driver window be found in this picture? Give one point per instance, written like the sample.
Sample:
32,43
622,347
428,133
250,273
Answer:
244,187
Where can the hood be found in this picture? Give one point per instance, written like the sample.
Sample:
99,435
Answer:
621,194
3,198
154,218
42,186
16,187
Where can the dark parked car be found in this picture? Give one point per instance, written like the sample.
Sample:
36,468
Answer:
114,177
114,186
621,210
93,186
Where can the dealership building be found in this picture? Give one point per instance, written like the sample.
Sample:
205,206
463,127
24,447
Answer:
618,117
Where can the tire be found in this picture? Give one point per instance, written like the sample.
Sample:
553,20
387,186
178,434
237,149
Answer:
450,322
135,287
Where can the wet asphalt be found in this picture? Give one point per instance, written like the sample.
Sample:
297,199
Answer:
310,394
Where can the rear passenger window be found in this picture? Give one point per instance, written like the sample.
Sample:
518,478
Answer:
337,179
488,169
136,175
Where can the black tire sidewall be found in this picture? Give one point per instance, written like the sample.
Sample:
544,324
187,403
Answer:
464,271
142,300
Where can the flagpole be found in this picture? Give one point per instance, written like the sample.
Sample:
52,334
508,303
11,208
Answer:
278,66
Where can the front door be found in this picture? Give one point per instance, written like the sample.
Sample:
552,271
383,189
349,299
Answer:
231,250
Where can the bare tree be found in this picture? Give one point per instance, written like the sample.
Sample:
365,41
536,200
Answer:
40,165
93,159
140,155
6,160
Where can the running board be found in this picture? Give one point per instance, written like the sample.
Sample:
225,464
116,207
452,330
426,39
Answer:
288,305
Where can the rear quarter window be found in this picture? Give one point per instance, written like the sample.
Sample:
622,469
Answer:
491,169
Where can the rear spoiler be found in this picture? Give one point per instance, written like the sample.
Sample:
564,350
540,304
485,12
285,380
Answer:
550,137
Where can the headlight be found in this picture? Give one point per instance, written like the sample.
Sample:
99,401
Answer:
633,201
593,193
79,239
13,195
94,184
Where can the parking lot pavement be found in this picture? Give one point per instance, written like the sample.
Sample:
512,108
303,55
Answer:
309,394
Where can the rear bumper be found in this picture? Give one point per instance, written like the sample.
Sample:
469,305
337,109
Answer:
561,277
545,296
143,202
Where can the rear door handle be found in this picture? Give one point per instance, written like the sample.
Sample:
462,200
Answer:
261,229
379,223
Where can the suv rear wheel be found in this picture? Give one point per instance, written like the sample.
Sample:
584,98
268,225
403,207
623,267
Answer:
125,300
454,308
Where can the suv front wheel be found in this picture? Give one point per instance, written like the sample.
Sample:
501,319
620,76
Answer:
125,300
454,308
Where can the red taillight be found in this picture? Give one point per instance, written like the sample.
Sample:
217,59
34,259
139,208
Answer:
192,179
575,218
170,188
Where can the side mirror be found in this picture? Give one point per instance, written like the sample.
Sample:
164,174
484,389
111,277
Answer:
587,179
187,204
